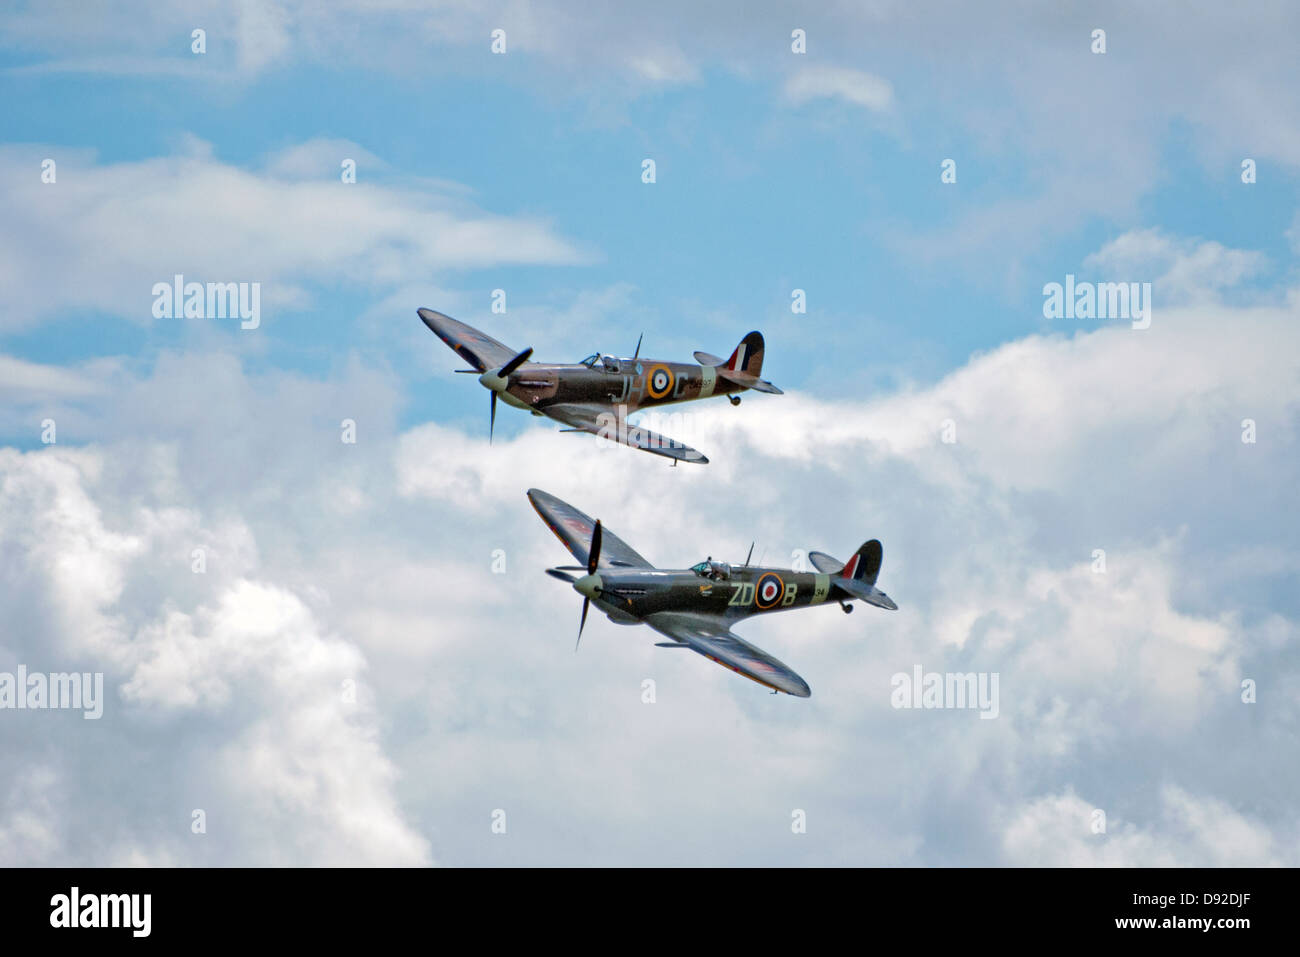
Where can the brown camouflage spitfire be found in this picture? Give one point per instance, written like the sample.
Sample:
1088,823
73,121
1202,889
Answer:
696,606
597,394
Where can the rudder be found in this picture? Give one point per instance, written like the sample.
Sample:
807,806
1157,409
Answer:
748,356
864,566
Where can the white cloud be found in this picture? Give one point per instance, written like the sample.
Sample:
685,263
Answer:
262,33
1183,830
828,82
326,561
108,233
26,379
321,159
664,66
1069,141
1182,270
29,828
285,768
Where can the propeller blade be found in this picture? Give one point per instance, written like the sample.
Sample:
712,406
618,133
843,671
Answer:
638,345
492,422
594,555
586,602
515,363
562,576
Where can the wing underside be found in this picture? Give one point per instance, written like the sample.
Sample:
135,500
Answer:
574,529
712,638
603,421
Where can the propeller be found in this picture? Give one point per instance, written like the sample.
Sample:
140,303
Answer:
589,585
515,363
594,556
582,623
497,382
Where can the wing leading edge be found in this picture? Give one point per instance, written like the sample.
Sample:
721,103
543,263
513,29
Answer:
477,348
711,638
574,529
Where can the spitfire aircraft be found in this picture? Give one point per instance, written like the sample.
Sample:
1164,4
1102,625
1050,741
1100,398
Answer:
696,607
597,394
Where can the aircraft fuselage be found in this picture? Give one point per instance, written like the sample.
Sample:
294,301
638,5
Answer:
748,591
636,384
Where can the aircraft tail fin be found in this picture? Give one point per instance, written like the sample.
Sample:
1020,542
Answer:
857,579
748,357
864,566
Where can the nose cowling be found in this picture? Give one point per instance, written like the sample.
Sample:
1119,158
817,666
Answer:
493,381
588,586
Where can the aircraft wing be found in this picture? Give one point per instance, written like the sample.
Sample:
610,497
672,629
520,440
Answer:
477,348
574,529
710,637
603,421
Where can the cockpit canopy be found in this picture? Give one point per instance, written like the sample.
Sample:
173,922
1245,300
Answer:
714,571
599,360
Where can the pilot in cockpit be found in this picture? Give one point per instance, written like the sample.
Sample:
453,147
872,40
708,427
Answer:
607,362
714,571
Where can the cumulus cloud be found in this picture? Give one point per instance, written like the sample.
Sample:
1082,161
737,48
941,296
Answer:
1186,830
1182,270
376,561
372,664
284,765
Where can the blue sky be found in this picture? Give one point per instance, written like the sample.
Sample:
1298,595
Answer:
755,197
373,563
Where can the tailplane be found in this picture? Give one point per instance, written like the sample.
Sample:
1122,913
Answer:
856,578
745,366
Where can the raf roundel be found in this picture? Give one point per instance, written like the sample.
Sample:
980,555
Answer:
768,590
659,382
